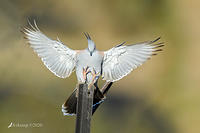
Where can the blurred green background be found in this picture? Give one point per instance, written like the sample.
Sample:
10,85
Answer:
162,96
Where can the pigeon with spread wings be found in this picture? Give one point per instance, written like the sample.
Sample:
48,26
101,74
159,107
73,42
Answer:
89,63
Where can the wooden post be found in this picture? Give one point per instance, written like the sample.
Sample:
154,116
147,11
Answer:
84,108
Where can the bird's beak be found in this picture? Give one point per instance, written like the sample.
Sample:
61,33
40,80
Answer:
90,53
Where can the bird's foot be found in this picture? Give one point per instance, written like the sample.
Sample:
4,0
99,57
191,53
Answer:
95,77
85,72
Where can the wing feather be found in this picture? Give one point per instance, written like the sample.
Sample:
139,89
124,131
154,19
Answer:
57,57
121,60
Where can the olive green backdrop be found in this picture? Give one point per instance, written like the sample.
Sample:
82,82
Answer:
162,96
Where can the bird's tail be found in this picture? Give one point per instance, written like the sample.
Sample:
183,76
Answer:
69,107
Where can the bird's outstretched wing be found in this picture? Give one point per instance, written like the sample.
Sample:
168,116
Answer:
121,60
57,57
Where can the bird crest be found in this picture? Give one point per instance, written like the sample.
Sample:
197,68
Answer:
91,44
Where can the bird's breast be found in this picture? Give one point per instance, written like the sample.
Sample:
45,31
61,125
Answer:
84,59
93,62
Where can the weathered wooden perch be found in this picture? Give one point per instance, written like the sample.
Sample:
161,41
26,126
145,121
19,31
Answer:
84,108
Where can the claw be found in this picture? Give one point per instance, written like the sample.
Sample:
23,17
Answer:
95,76
85,72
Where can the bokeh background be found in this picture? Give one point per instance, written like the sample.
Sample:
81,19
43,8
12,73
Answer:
162,96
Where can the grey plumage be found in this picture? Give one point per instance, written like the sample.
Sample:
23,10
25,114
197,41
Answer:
112,64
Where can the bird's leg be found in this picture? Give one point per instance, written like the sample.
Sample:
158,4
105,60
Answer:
85,72
95,77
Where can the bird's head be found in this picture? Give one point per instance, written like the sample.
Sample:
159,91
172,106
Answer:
91,45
